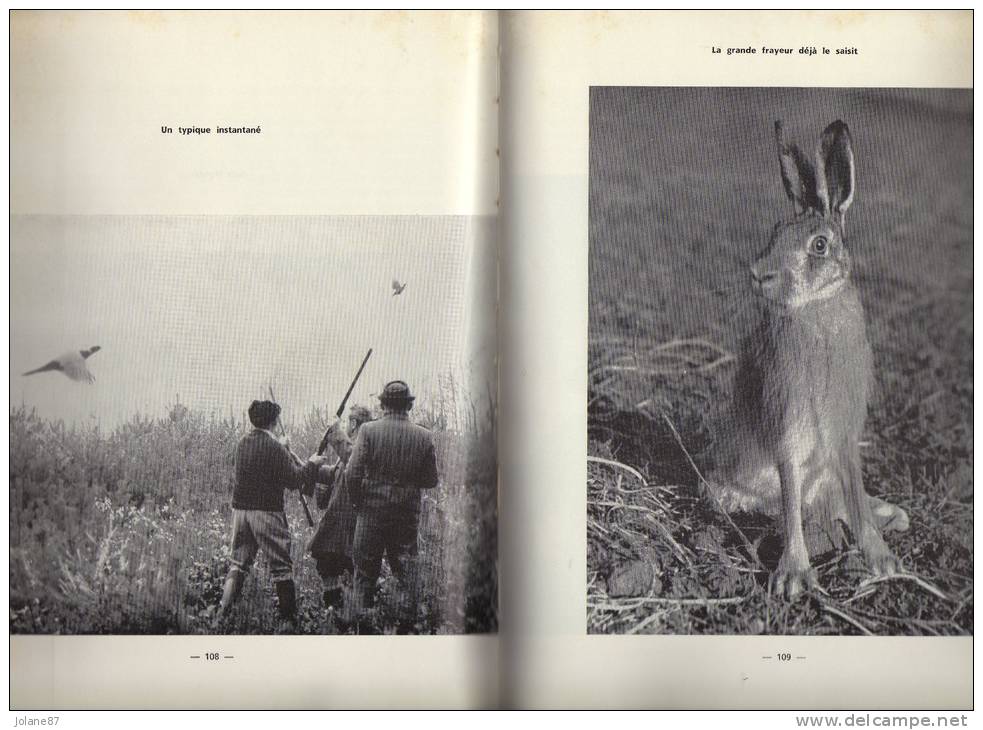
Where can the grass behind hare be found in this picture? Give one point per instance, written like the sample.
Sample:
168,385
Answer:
127,531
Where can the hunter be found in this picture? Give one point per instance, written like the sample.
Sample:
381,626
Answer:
392,461
331,545
264,468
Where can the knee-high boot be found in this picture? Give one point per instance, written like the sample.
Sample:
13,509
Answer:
286,595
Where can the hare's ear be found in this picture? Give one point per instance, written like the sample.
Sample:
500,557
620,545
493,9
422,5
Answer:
834,163
798,175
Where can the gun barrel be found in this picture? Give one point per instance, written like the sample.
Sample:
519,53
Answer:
348,393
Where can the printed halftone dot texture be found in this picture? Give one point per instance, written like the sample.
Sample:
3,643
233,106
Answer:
685,188
212,310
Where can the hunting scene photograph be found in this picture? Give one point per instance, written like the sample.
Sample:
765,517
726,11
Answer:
253,425
780,388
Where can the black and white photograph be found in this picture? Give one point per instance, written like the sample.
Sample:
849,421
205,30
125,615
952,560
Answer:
780,365
395,359
252,425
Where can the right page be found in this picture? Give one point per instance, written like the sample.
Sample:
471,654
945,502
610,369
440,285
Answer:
738,360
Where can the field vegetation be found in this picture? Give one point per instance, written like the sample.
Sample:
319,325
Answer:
127,530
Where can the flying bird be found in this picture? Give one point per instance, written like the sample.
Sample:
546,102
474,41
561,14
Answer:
72,364
397,287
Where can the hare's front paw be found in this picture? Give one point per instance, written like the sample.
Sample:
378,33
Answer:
792,576
878,555
888,516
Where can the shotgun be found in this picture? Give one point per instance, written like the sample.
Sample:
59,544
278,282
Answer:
344,401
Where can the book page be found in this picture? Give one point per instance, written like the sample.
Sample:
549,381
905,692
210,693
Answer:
648,232
215,215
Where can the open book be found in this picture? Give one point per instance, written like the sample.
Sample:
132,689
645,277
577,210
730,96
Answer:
539,227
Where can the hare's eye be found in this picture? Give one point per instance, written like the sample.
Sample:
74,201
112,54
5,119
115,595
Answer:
819,246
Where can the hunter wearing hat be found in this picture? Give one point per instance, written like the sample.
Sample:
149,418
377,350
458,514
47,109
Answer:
264,468
331,545
391,461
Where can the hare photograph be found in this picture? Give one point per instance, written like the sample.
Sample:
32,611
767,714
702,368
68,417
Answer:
252,425
780,388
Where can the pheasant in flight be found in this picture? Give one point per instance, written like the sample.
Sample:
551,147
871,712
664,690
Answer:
397,287
72,364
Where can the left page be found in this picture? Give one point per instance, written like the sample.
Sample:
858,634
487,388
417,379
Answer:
252,360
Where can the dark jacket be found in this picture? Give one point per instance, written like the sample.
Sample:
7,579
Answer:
392,460
336,529
264,468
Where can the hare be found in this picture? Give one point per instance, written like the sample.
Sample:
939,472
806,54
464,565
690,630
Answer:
802,385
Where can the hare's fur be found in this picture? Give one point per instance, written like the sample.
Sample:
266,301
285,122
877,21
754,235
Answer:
781,406
804,378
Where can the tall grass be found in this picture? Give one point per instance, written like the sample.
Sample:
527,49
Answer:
127,531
